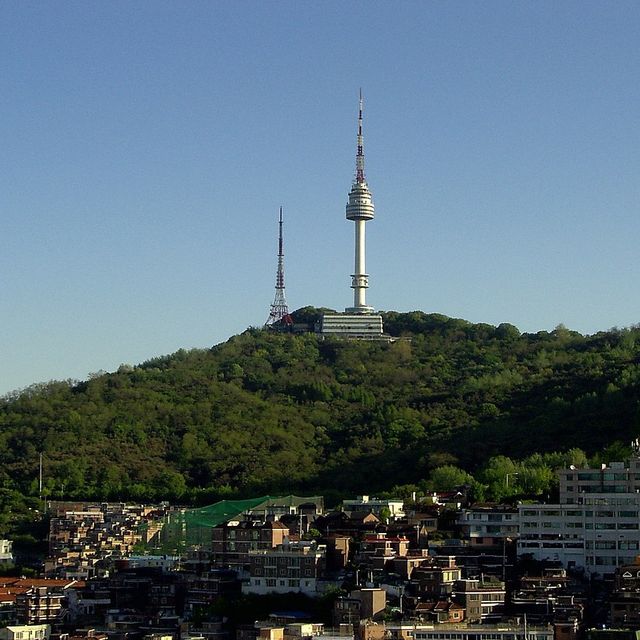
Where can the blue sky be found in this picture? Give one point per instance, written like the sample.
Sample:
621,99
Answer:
147,146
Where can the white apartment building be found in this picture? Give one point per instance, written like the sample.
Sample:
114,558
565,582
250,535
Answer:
595,527
488,526
616,477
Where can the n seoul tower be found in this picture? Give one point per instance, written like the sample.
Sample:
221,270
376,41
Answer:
360,209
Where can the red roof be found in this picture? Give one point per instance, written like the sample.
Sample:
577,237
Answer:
28,583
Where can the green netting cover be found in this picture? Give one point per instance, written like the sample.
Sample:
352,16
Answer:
220,512
186,528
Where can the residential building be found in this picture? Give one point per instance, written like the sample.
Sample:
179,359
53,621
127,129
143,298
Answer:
362,604
202,590
355,524
291,566
504,631
233,541
82,535
614,478
625,599
6,552
164,562
378,550
596,525
393,508
26,632
435,580
40,605
404,566
440,611
597,534
274,508
338,548
488,525
483,600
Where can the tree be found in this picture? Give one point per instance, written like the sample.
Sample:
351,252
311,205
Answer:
448,478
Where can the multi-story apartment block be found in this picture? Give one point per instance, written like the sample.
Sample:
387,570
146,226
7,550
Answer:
202,590
596,526
89,603
435,580
482,600
597,535
291,566
616,477
377,550
233,541
488,525
40,605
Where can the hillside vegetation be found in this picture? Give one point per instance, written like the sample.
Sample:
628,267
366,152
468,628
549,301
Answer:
274,412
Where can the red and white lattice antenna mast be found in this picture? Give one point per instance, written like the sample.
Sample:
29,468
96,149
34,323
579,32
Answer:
279,309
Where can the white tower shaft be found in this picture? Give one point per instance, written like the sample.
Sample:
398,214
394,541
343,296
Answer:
360,279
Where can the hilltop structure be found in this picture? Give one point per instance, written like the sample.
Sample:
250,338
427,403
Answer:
360,209
358,321
279,310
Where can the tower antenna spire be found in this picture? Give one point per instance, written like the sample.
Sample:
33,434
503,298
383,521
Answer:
279,309
360,151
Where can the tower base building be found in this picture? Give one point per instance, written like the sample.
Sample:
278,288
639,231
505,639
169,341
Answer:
353,326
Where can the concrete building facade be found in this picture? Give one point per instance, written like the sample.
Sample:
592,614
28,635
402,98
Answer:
289,567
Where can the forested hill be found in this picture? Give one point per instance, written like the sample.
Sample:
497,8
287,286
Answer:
272,412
